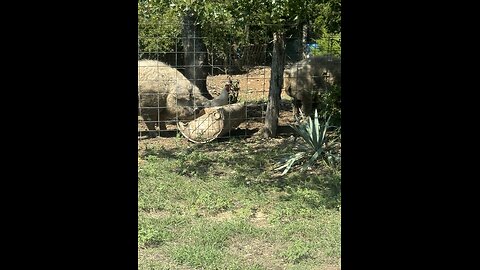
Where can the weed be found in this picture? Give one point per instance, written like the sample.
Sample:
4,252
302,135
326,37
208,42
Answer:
299,250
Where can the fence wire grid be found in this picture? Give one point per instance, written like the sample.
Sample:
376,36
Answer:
208,86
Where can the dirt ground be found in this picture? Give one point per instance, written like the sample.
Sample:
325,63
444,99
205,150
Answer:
254,86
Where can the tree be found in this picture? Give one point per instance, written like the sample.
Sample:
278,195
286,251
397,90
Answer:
227,21
242,21
158,25
195,51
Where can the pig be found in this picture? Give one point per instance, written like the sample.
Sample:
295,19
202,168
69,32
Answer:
306,80
165,94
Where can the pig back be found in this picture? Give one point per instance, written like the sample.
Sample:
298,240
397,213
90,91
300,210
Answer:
311,76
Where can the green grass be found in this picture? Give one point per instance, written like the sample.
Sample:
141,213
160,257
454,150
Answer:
222,206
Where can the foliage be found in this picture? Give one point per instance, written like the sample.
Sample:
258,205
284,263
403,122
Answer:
158,26
329,17
328,45
151,232
320,144
297,251
330,104
227,21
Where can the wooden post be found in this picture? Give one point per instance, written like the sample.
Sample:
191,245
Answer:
276,83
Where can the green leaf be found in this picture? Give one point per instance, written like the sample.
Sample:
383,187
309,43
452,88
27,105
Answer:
289,163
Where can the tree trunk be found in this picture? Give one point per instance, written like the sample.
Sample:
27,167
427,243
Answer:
276,83
196,57
305,41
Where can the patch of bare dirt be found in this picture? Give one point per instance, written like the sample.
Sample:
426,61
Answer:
256,251
153,257
259,219
157,214
223,216
253,85
328,267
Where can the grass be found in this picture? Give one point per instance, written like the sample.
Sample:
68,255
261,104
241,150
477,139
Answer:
222,206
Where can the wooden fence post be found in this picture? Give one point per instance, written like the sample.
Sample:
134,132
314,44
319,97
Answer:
276,83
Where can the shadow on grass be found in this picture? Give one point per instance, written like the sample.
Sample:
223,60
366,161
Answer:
250,165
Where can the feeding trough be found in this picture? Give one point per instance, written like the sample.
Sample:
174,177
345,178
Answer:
216,121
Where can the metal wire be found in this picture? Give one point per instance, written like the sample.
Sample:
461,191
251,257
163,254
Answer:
247,63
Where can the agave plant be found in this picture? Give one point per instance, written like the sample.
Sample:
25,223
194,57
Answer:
315,135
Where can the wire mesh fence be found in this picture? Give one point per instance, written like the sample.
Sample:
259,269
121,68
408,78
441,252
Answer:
207,84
